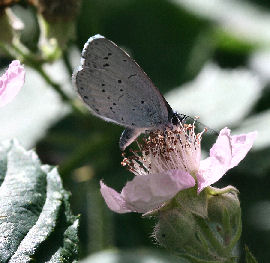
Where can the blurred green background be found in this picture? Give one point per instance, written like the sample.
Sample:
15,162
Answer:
210,59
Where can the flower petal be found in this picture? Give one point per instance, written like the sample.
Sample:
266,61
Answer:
147,192
113,199
210,171
241,144
226,153
11,82
222,149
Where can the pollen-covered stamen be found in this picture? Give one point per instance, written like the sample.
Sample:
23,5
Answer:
176,148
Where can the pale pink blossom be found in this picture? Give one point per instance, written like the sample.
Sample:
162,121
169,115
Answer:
11,82
169,162
146,192
226,153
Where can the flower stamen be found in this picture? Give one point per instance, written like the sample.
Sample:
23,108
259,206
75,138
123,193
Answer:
174,148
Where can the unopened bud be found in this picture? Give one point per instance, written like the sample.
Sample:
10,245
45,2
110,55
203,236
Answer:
59,19
204,227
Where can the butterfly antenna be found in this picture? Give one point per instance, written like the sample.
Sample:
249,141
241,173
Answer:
183,118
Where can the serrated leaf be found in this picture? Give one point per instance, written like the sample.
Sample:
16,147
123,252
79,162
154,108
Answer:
35,218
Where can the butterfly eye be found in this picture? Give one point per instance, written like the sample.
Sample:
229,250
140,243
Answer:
178,118
175,120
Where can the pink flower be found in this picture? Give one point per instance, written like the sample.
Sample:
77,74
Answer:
11,82
226,153
170,162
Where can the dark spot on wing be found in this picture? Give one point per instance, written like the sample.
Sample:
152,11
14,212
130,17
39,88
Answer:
142,102
103,90
112,110
122,118
109,54
105,58
102,84
133,109
108,97
106,65
86,97
114,103
82,88
121,89
97,110
132,75
124,60
119,81
132,124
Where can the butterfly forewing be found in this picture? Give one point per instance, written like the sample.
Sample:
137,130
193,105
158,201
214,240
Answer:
116,89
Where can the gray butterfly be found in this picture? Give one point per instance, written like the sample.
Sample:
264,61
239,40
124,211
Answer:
116,89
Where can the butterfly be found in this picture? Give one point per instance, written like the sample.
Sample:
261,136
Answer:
114,88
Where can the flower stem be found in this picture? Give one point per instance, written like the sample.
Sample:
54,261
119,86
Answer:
58,89
67,62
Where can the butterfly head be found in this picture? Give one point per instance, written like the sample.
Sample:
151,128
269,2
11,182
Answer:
177,118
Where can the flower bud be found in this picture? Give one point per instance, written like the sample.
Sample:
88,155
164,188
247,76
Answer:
225,213
59,18
202,227
174,221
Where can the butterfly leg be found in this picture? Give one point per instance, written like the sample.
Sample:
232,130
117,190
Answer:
128,136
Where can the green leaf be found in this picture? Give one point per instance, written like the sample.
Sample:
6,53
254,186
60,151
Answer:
165,38
36,223
244,21
216,91
249,257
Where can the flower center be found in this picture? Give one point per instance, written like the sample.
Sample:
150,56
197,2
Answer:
173,148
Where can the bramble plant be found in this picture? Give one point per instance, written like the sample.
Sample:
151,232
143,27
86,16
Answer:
61,172
194,220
